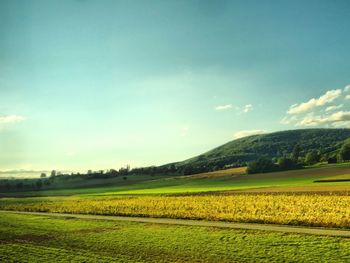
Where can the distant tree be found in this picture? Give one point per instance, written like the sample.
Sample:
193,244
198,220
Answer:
274,159
332,159
113,172
47,182
296,153
43,175
262,165
286,163
39,184
172,168
124,171
312,157
324,158
154,170
188,169
19,185
7,186
53,173
345,152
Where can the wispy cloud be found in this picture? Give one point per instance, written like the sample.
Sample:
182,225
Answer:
288,119
320,111
247,108
244,109
11,119
342,124
328,97
246,133
334,107
337,117
223,107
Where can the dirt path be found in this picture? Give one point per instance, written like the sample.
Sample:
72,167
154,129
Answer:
187,222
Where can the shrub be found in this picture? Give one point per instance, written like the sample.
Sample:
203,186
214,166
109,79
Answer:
262,165
312,158
345,152
332,159
286,164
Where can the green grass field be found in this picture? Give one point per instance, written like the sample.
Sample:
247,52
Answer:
47,239
201,183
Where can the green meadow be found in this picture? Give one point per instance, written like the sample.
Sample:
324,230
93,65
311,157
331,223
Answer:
192,184
48,239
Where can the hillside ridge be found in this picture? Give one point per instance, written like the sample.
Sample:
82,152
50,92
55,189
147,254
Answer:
272,145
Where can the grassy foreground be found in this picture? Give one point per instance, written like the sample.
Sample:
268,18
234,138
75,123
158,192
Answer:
25,238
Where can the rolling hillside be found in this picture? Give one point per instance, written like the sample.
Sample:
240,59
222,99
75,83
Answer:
272,145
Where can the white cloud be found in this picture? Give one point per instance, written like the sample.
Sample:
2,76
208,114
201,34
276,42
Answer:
328,97
223,107
343,124
288,119
244,109
246,133
347,97
310,121
334,107
11,119
347,88
338,117
248,108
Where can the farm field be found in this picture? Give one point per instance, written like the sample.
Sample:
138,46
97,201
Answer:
50,239
231,179
288,198
302,209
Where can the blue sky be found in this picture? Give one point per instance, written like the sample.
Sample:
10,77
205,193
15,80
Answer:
101,84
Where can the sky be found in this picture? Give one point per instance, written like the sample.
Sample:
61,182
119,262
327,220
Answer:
101,84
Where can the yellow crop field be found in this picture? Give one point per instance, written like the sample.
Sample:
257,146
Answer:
306,209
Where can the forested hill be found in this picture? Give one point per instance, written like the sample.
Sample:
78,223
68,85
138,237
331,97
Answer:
277,144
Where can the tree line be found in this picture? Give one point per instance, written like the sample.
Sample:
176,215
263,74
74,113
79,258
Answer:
295,161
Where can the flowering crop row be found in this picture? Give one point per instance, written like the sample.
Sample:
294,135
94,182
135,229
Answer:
308,209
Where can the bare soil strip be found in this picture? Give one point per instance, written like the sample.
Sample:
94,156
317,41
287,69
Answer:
186,222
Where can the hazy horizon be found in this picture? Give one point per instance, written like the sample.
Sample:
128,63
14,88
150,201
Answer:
102,84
